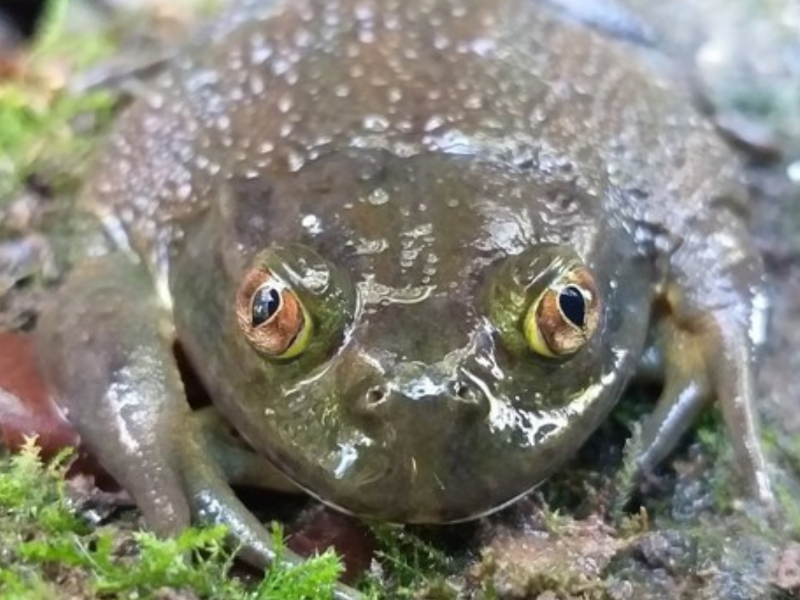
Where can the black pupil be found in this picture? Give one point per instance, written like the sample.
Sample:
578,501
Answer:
266,302
572,305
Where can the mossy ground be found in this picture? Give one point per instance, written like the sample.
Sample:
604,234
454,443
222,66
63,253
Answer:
49,551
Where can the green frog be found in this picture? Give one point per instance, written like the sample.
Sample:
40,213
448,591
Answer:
415,251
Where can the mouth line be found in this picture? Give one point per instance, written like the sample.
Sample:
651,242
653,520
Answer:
410,512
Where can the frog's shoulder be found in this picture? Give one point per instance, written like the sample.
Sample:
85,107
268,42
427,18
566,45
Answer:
149,173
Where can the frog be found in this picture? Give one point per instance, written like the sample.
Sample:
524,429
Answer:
415,252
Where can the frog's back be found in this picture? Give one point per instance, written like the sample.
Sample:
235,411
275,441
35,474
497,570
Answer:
275,84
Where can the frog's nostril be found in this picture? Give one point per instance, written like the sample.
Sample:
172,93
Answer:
470,398
466,392
375,395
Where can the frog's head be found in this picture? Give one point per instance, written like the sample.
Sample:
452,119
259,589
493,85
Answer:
426,398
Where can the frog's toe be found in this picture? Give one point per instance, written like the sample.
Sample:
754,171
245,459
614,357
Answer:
206,484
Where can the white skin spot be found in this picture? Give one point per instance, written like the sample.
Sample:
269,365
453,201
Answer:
375,123
285,103
312,224
184,191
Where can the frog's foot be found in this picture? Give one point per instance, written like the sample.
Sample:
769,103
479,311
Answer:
105,347
704,357
210,458
686,392
206,484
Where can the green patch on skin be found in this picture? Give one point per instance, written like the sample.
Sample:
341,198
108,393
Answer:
47,549
44,125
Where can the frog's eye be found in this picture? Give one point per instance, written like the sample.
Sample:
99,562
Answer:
271,315
565,315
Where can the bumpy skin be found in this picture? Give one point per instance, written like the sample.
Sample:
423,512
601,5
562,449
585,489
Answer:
406,156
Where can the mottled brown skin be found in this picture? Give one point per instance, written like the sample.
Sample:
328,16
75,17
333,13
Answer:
408,167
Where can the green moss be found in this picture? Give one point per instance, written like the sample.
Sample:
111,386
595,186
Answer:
784,449
37,128
407,566
45,125
47,551
500,579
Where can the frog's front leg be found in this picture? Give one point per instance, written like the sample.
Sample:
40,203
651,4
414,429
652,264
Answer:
675,358
706,320
103,344
105,348
241,465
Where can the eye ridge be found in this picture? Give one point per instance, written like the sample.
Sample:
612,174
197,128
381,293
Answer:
572,305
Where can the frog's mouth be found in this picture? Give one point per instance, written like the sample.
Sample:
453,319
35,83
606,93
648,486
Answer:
461,473
423,447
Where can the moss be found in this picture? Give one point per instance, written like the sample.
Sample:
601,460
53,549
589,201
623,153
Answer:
407,566
48,551
44,124
784,449
26,111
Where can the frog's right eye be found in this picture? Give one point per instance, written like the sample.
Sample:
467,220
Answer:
544,302
271,315
564,316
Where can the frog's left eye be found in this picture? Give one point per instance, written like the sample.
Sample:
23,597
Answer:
271,315
565,315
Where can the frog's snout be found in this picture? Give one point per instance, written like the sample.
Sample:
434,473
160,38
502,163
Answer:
414,388
427,431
